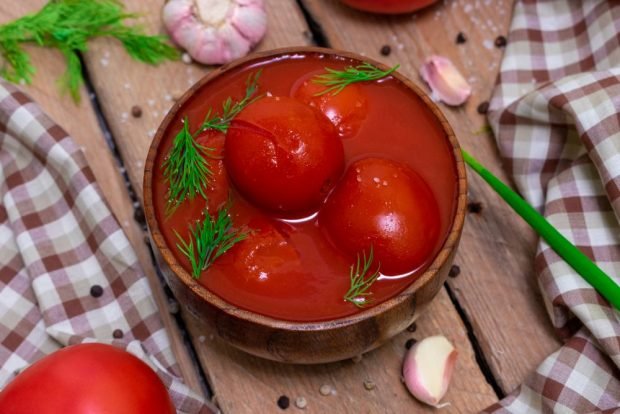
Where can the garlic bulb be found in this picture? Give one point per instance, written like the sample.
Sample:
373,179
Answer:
215,31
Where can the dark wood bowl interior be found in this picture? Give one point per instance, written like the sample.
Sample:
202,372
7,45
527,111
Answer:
296,342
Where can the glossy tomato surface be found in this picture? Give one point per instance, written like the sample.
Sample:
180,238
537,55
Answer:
218,187
386,205
283,155
346,109
389,6
87,379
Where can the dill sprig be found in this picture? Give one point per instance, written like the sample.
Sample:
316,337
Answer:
186,167
230,109
68,25
208,240
337,80
361,280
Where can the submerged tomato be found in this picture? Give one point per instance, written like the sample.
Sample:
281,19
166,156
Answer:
388,6
346,109
283,155
265,262
87,379
386,205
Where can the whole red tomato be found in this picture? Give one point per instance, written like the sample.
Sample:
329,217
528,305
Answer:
283,155
388,6
346,109
87,379
386,205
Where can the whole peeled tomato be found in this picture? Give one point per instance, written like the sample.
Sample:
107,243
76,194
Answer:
283,155
218,188
346,109
387,205
388,6
265,262
87,379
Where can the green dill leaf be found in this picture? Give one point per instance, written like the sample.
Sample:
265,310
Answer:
186,169
337,80
68,25
208,240
361,280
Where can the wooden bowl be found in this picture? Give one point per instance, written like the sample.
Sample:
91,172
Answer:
303,342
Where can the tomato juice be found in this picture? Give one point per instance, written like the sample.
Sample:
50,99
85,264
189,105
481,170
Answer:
288,268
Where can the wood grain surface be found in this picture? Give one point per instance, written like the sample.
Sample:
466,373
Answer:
496,288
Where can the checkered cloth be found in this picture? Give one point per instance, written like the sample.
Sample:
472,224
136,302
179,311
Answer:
556,115
67,272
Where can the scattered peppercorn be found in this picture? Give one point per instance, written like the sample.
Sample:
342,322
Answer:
300,402
412,327
369,385
386,50
410,342
460,38
284,402
500,41
474,207
454,271
136,111
483,108
117,334
96,291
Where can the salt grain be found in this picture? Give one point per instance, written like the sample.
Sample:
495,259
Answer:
488,44
300,402
104,62
326,389
186,58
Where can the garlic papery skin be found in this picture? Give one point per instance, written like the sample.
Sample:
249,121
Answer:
215,31
428,367
446,82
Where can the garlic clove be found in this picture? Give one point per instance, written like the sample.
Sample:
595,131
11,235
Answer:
215,31
446,82
428,367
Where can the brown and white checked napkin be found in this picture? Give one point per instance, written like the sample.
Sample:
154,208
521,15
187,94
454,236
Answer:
556,117
67,271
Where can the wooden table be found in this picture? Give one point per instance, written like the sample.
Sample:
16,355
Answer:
492,311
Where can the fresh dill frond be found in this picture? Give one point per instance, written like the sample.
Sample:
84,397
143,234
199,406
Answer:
208,240
337,80
186,168
68,25
361,280
230,109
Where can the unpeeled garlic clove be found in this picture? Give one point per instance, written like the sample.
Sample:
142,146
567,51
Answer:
215,31
428,367
446,82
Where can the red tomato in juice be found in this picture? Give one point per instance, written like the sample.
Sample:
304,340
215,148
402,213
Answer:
265,262
388,6
218,187
87,379
386,205
346,109
283,155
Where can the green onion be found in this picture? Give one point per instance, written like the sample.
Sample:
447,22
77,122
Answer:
562,246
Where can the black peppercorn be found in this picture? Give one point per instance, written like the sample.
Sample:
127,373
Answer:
284,402
386,50
118,334
500,41
474,207
410,342
483,108
460,38
96,291
136,111
454,271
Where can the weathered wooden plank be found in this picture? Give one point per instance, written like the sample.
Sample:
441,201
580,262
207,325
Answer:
244,384
80,121
497,286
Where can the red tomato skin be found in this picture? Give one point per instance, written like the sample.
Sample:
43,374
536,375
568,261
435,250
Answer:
346,109
87,379
386,205
389,6
283,156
